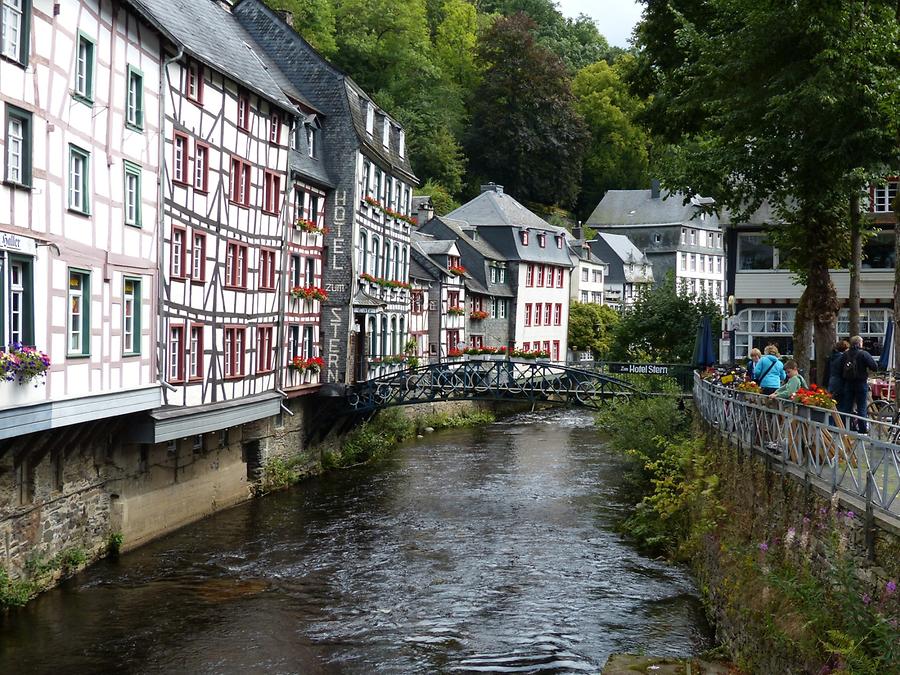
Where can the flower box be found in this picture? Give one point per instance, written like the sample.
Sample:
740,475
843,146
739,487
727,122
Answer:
456,311
457,270
309,293
309,226
22,364
478,315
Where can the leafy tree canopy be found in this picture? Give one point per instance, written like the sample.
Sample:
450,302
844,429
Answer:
617,155
525,131
662,324
314,20
441,199
591,328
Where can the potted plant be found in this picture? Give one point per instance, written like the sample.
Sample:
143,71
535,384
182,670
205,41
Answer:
309,293
455,354
815,397
457,270
478,315
22,364
306,225
455,310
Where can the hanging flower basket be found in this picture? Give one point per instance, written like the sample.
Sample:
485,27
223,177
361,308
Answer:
22,364
309,293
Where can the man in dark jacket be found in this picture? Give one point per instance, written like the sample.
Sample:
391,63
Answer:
856,381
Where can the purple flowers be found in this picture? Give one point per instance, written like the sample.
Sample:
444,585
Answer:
763,547
890,587
850,515
22,364
866,599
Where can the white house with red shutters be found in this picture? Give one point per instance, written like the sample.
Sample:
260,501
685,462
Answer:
438,261
539,266
227,219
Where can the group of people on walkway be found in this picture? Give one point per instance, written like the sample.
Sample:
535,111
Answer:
848,380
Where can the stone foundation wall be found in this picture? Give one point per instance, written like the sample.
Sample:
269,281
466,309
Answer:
778,515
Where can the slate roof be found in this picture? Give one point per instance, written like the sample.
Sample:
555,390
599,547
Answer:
210,34
417,271
764,215
498,208
434,246
638,207
464,232
623,248
318,78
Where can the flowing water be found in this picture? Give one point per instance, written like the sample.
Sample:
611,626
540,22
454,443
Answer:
485,550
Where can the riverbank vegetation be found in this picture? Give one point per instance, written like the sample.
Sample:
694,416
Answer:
779,573
371,440
40,574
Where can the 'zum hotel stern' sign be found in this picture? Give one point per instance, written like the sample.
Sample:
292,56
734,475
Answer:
338,282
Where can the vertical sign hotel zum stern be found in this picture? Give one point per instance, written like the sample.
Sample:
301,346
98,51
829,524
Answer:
337,276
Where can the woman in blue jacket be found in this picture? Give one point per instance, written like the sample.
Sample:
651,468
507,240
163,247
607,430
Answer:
769,372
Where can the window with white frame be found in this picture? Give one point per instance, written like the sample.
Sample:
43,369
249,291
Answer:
234,351
195,353
311,140
79,323
84,68
131,316
386,133
401,143
18,146
176,353
79,179
134,99
884,196
132,194
370,117
16,23
17,318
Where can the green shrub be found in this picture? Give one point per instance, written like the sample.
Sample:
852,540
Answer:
280,472
14,592
114,543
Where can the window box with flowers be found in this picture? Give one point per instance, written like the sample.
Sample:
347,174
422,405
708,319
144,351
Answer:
455,354
309,293
384,283
456,310
21,365
478,315
457,270
306,368
305,225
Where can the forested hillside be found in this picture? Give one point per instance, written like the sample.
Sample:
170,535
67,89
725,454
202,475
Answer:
508,91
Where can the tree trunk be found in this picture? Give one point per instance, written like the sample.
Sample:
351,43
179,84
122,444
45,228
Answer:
823,306
803,327
897,277
855,262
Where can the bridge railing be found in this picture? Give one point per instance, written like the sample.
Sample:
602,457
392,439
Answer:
813,442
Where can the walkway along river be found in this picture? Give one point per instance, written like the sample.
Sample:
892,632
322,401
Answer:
485,550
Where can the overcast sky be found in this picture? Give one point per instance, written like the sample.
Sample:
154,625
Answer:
615,18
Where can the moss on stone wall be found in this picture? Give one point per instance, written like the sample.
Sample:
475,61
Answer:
785,572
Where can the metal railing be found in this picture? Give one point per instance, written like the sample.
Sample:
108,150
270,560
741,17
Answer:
817,443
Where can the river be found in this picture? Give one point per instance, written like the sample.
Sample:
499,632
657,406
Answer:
476,550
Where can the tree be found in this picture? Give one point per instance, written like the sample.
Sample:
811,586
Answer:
525,132
662,324
794,103
314,20
617,156
441,199
591,328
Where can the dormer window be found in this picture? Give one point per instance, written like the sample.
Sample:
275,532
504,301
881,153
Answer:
311,140
542,240
401,143
370,118
524,236
559,241
386,133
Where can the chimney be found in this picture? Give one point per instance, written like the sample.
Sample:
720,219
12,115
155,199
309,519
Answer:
492,187
578,232
287,15
425,212
654,188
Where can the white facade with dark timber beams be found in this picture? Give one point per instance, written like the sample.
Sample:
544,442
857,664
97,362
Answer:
368,217
78,218
226,144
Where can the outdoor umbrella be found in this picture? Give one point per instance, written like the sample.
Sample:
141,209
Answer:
886,360
703,349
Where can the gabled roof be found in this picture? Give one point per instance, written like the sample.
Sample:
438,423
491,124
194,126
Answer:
390,155
417,271
639,207
464,232
436,246
209,33
494,207
624,248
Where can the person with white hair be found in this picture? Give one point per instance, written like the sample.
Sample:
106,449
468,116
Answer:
855,367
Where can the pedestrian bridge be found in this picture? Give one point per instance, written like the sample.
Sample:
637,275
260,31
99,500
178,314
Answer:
490,380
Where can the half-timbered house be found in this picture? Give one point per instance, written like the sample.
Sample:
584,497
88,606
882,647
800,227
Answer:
226,150
439,260
368,219
78,212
